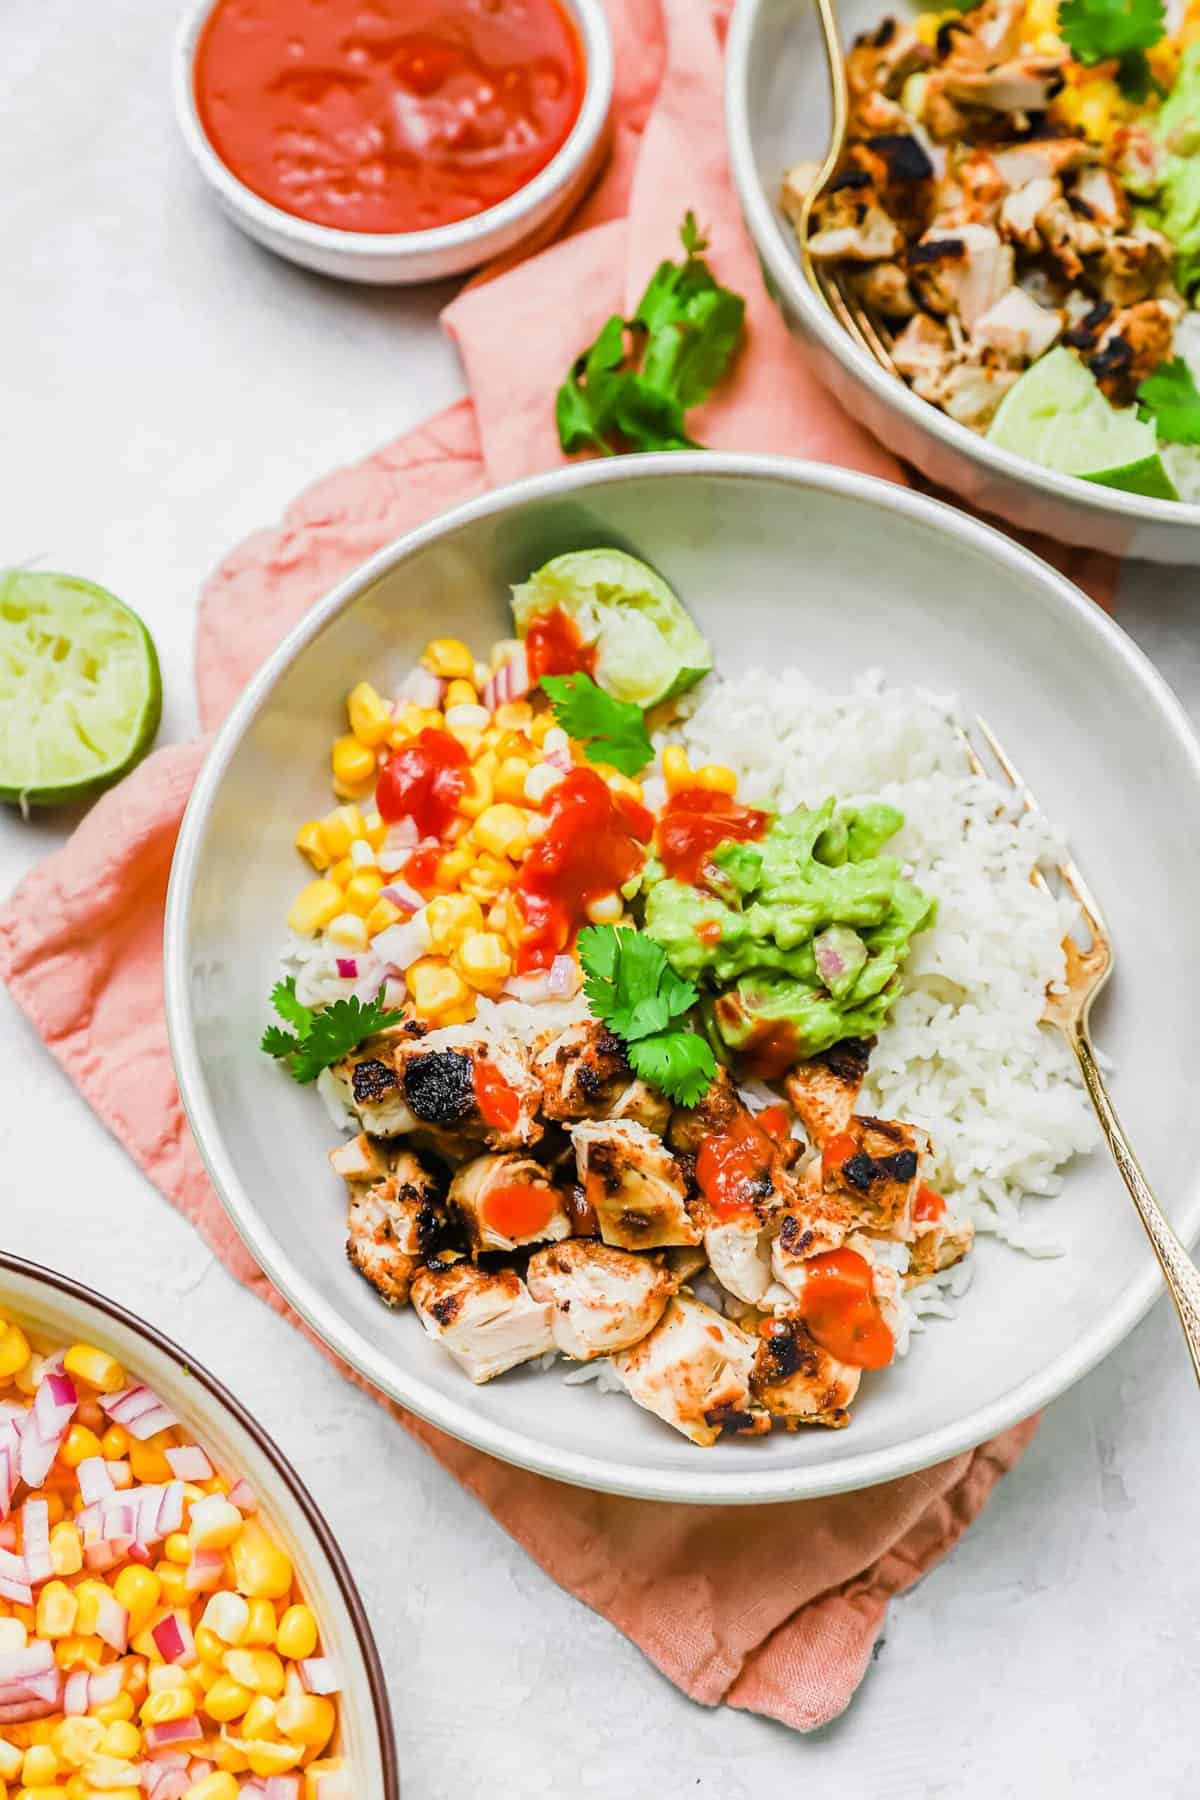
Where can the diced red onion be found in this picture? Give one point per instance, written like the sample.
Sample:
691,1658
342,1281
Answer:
370,980
10,1462
563,980
405,943
118,1520
54,1404
172,1784
204,1570
331,1784
170,1513
319,1675
112,1622
106,1684
38,1448
398,845
14,1584
421,687
395,992
403,896
199,1767
139,1411
8,1535
36,1659
559,759
140,1553
173,1731
100,1557
21,1712
189,1463
95,1482
35,1541
243,1496
531,989
281,1787
173,1635
347,967
510,682
75,1694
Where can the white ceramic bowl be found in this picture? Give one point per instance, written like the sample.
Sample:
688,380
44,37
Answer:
63,1310
777,113
779,561
404,258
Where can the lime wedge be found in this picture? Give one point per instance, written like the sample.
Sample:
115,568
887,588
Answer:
1057,416
647,647
80,693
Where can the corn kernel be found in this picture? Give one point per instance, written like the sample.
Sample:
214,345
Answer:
259,1670
348,930
296,1637
259,1719
616,783
66,1549
210,1645
340,828
516,715
75,1740
716,777
227,1756
675,767
266,1758
214,1523
382,914
114,1443
177,1549
112,1710
362,891
226,1700
343,871
261,1627
483,959
353,763
122,1739
502,830
78,1444
540,780
306,1719
166,1678
449,658
39,1767
369,714
220,1785
460,693
478,794
168,1704
139,1590
14,1351
511,777
314,907
377,829
227,1616
261,1570
451,917
57,1608
606,909
484,883
148,1462
454,866
10,1761
310,841
79,1653
434,987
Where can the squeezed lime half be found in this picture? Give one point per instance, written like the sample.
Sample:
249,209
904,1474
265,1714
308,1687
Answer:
1056,415
648,647
80,689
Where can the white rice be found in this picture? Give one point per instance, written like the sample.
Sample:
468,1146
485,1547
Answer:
964,1054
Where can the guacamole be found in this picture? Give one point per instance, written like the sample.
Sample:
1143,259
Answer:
796,939
1172,178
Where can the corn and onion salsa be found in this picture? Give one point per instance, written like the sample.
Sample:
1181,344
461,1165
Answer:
154,1642
472,838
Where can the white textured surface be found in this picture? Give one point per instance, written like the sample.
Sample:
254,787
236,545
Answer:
167,387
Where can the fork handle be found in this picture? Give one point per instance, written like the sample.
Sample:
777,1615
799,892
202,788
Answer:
1179,1271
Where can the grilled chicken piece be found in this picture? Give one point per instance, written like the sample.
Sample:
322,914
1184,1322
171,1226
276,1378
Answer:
824,1091
1042,159
1134,266
1133,343
603,1299
685,1261
883,287
693,1370
487,1323
1068,237
794,190
1018,328
939,1240
1023,85
739,1254
874,115
393,1224
796,1380
881,61
964,273
981,191
923,352
585,1074
507,1200
816,1222
1020,209
900,173
1095,191
362,1159
633,1184
794,1272
430,1084
851,224
878,1183
971,389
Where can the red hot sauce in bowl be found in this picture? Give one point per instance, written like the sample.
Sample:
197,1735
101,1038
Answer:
388,115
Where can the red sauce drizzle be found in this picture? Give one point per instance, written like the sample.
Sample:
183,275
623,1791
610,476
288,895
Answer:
731,1165
499,1104
592,845
694,821
771,1050
838,1305
837,1150
424,781
929,1206
518,1209
554,646
398,116
709,931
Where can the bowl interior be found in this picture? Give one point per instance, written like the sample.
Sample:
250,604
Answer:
50,1304
780,564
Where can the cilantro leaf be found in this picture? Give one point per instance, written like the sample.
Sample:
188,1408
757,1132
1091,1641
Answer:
632,388
632,987
1099,30
611,731
1172,399
681,1063
322,1038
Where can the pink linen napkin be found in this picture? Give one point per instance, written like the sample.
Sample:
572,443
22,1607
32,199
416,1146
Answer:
776,1609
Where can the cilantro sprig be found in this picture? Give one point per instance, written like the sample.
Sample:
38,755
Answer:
1171,398
633,989
1099,31
633,387
319,1039
610,730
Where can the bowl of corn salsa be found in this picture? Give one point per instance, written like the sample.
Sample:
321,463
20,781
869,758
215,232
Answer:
176,1619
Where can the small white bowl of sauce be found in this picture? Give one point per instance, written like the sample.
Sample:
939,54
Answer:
398,141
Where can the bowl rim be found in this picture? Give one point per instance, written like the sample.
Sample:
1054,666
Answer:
707,1485
475,233
772,245
78,1291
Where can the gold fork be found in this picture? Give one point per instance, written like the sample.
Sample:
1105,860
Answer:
849,311
1086,973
